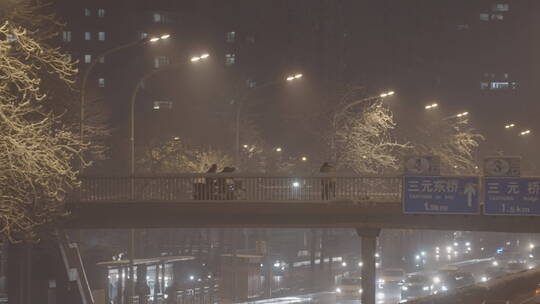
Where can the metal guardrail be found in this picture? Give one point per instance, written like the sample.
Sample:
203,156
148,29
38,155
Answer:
234,187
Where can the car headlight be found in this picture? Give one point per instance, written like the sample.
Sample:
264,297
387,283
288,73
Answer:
404,288
425,288
436,280
444,288
495,263
381,281
338,290
484,279
344,264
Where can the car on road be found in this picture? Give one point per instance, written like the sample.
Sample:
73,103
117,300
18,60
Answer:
392,276
537,295
415,285
349,287
451,280
515,267
492,272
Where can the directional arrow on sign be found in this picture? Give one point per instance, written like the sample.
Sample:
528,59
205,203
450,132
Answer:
470,191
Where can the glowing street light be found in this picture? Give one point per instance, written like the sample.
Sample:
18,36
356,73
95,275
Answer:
304,158
386,94
199,58
526,132
431,106
294,77
509,126
278,149
157,38
462,114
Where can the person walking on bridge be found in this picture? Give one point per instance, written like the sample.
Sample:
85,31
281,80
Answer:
328,183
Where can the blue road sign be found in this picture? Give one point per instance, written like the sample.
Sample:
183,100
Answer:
512,196
440,195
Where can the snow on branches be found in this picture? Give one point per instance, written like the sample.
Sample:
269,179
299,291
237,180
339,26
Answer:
173,156
455,142
364,142
37,151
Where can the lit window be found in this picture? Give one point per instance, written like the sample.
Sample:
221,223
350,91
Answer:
484,17
158,18
250,83
230,59
87,36
87,58
159,104
101,12
87,12
231,37
66,36
101,59
101,82
499,85
160,61
101,36
501,7
497,17
484,85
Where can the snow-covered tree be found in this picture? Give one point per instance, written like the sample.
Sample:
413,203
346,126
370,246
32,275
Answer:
455,142
174,156
37,150
363,139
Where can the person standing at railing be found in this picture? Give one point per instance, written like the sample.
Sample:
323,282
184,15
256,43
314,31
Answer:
328,184
210,182
226,185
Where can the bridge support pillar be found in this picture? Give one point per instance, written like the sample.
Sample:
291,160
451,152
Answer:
369,249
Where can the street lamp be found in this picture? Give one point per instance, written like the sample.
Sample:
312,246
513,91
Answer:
199,58
509,126
386,94
278,149
304,158
240,103
96,60
431,106
462,114
132,112
294,77
526,132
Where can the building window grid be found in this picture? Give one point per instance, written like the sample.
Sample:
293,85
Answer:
87,58
87,36
101,82
500,7
87,12
66,36
101,12
101,36
230,59
231,37
161,61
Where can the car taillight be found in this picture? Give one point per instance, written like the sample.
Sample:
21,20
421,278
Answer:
538,291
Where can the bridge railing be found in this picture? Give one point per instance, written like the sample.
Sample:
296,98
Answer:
216,187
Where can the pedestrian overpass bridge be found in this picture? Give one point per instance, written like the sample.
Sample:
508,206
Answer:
234,200
366,203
